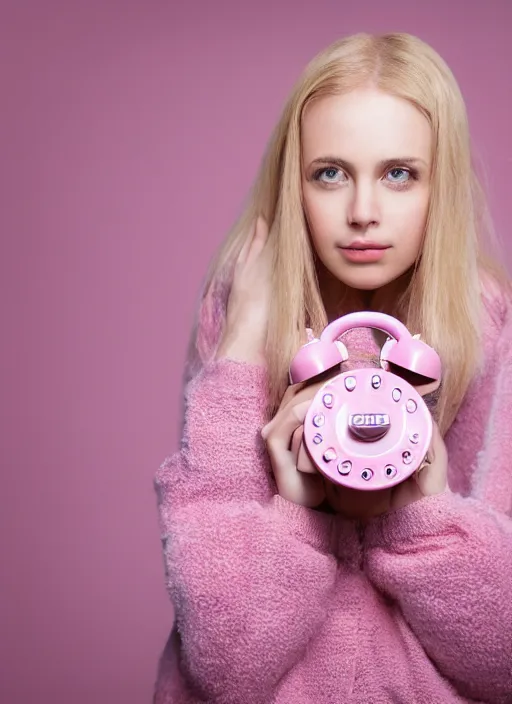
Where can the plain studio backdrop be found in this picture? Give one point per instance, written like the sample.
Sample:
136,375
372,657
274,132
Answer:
131,131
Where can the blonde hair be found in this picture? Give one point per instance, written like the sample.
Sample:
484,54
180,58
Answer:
442,296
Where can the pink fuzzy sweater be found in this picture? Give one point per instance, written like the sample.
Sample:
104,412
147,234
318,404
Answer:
279,603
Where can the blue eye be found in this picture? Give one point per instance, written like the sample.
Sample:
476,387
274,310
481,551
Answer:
399,175
329,175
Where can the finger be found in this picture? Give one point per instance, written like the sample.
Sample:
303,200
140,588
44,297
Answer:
298,487
304,461
285,420
290,393
431,480
302,391
433,477
299,451
438,451
304,489
259,240
261,231
288,396
242,256
296,442
293,394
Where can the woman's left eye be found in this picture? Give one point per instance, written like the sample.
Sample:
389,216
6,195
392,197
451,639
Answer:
398,175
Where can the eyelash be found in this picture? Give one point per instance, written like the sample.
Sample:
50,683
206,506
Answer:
413,174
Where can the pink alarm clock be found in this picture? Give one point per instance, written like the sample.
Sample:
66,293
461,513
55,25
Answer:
367,429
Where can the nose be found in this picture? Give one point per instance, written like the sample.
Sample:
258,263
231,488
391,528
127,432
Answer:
363,208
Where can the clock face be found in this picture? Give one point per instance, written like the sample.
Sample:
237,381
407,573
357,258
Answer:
367,429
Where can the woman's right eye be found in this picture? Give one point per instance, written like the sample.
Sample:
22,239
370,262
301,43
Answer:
330,175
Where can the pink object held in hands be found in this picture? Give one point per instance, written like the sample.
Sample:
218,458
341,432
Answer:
367,429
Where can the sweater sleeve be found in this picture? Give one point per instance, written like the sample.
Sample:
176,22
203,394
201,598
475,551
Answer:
249,574
447,561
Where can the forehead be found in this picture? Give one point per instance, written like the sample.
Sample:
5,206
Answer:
364,124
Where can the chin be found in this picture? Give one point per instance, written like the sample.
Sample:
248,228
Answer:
364,278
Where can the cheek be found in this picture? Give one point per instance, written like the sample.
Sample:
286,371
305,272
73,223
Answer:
410,224
324,216
412,234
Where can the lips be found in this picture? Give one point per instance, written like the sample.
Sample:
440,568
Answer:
361,253
365,246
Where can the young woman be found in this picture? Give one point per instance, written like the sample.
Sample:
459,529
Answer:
284,589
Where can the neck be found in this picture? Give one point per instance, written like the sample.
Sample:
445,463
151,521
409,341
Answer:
340,300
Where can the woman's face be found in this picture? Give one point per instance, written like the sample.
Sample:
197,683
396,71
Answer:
366,162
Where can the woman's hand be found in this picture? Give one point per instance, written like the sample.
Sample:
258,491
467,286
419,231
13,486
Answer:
430,479
283,437
245,332
299,481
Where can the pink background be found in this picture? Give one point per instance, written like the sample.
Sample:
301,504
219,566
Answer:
131,132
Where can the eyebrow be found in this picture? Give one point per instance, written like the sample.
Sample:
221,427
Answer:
408,161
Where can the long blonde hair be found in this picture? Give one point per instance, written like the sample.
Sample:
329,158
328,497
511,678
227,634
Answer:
442,298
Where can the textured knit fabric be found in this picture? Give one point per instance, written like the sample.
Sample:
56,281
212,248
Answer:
276,602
